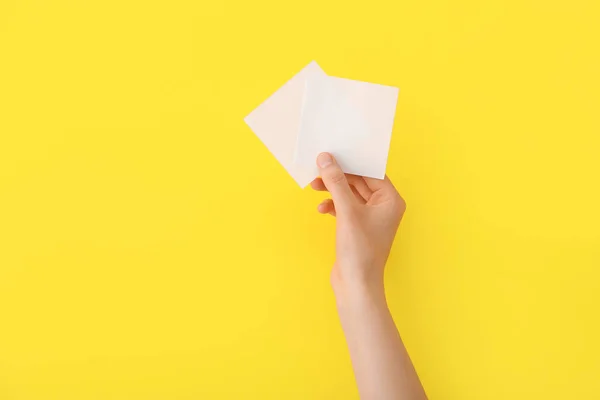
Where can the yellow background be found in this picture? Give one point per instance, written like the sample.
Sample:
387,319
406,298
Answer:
152,248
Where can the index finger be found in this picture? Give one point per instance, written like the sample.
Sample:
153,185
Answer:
380,184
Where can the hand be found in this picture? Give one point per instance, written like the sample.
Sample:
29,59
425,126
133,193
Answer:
368,214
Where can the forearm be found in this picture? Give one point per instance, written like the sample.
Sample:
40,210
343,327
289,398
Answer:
382,367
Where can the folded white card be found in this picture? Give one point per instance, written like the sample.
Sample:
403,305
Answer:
277,122
353,120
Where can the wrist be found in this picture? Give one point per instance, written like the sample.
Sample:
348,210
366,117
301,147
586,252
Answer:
355,291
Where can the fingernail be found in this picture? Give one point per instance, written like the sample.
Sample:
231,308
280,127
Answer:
324,160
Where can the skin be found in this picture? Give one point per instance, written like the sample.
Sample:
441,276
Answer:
368,212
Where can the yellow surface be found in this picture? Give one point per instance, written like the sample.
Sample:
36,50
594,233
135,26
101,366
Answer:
152,248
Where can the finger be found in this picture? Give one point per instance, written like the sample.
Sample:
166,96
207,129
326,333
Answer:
357,184
357,195
335,181
360,185
327,207
379,184
318,185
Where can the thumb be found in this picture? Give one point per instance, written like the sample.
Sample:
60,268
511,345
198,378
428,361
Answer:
335,181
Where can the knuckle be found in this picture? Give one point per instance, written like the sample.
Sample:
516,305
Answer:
337,177
399,206
401,203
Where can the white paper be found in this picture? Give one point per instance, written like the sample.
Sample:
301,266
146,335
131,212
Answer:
353,120
276,122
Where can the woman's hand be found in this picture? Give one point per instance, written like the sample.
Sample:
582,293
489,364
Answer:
368,213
